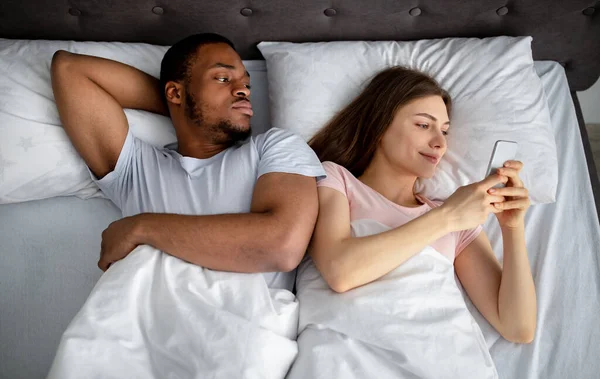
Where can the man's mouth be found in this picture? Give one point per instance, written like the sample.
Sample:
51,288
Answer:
244,107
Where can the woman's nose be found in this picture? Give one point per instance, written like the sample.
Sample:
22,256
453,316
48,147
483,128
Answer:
438,141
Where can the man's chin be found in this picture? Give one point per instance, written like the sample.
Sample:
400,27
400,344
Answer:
241,123
240,127
235,132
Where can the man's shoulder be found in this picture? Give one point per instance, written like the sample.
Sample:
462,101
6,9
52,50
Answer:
277,137
273,134
284,151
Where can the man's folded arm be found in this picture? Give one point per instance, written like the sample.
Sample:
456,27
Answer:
272,237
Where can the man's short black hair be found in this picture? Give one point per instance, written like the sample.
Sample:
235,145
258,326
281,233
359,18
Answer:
178,60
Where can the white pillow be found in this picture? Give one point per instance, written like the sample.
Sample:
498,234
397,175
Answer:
37,160
495,90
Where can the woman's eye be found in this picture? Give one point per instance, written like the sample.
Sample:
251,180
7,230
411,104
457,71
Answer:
445,132
423,126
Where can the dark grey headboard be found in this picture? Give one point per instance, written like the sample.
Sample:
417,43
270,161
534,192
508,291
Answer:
567,31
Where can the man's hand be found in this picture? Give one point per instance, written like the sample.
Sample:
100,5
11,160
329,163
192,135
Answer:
118,240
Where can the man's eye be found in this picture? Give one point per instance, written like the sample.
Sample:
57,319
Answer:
248,86
223,80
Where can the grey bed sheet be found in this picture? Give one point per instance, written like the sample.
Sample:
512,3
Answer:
49,250
48,255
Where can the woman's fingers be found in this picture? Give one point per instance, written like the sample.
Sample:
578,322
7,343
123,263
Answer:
494,209
513,204
495,199
510,191
491,181
518,165
512,174
507,171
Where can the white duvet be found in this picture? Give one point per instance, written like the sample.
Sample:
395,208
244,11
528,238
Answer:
152,315
411,323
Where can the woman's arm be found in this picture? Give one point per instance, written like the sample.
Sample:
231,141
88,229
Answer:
346,263
504,296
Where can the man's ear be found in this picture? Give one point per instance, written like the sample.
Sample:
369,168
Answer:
174,92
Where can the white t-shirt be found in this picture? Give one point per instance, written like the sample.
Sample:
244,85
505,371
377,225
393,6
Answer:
148,179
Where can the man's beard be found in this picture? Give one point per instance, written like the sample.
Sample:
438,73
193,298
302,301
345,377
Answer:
223,132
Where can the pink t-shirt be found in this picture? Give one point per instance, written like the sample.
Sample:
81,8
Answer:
366,203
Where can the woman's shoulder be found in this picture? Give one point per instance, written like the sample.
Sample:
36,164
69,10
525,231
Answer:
338,177
337,170
333,166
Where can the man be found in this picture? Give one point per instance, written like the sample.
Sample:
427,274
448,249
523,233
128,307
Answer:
223,200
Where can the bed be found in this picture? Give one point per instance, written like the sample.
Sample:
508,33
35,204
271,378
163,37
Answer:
45,279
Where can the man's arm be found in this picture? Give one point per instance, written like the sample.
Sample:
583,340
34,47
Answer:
90,94
272,237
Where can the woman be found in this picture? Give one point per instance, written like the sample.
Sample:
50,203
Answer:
390,254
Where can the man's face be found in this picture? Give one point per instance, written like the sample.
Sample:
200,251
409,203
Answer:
217,95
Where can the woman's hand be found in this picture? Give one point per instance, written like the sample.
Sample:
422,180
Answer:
517,202
470,205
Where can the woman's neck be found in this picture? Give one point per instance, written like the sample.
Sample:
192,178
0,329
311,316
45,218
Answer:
395,186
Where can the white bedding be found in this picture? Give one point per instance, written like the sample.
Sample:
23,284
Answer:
563,240
152,315
49,248
412,323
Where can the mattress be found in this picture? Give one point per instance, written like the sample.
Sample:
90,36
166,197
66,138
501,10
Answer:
49,250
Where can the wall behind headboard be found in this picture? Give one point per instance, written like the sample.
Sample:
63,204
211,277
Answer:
566,31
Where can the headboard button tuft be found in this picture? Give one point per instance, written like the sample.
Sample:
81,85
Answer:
158,10
502,11
330,12
246,12
74,12
589,11
415,12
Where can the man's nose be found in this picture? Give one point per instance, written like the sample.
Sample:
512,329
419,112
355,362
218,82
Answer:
242,91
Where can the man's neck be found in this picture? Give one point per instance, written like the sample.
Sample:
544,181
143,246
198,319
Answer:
198,145
199,152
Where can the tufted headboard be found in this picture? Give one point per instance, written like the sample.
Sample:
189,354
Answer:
567,31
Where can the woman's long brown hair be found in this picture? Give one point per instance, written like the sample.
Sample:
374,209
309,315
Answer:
352,136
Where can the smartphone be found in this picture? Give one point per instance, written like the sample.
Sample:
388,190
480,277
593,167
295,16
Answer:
503,151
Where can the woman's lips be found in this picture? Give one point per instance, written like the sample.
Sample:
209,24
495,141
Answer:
431,158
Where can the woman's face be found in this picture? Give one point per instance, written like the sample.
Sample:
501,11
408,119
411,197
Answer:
416,140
